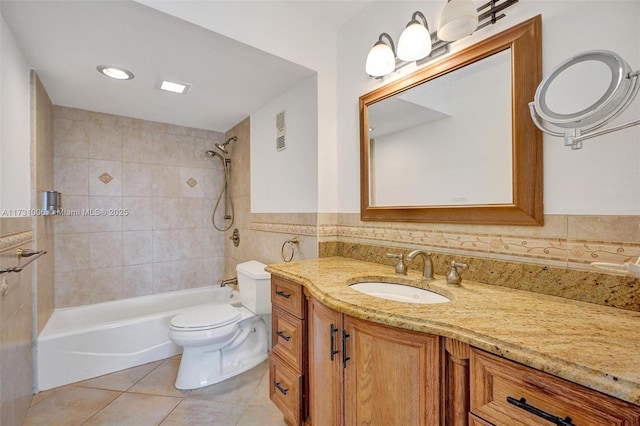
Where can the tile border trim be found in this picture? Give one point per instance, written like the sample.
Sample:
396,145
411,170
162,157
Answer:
9,241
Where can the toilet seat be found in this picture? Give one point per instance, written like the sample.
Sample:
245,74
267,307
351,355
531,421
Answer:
205,317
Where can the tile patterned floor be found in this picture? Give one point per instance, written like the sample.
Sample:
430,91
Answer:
145,396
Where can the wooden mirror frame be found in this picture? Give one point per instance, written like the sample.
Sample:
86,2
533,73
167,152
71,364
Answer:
525,42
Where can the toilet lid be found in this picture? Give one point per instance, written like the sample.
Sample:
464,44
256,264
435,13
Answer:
210,315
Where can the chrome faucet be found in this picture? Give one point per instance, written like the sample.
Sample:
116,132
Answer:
427,271
228,281
401,268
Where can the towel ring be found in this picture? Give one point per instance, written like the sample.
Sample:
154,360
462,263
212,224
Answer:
581,125
291,243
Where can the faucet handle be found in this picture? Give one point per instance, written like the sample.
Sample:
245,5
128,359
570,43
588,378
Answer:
453,277
401,268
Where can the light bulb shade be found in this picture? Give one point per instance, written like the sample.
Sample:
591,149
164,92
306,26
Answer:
415,42
380,60
458,19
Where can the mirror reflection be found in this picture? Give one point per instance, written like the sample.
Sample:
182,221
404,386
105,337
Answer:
453,142
449,139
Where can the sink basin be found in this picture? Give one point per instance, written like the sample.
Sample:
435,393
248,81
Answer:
399,292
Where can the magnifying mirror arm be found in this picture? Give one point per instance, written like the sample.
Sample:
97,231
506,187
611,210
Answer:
574,136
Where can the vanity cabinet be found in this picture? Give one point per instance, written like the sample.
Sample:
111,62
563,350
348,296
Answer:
504,392
366,373
288,357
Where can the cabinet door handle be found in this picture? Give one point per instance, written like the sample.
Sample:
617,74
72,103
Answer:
522,403
282,335
345,358
283,294
280,388
333,330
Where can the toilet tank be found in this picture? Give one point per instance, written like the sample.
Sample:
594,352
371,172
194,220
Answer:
254,285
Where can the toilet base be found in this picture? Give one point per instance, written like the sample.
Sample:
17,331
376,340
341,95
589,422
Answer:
202,367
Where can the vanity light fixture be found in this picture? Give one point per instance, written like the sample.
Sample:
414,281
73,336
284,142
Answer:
173,87
459,18
415,40
117,73
381,59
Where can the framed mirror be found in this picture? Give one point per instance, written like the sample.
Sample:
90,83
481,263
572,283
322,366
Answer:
453,142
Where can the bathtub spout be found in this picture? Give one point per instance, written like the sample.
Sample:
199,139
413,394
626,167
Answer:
228,281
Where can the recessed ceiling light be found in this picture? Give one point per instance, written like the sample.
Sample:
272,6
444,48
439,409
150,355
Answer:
115,72
173,87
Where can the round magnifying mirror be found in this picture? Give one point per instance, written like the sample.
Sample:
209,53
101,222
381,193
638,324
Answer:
594,83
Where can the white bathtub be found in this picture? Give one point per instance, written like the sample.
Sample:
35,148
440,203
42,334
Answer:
82,342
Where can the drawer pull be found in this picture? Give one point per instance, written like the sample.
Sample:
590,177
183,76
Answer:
345,358
282,335
522,403
333,330
283,294
280,388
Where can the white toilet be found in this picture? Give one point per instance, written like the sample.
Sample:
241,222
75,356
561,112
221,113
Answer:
222,340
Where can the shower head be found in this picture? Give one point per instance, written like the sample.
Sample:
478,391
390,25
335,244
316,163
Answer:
212,153
223,147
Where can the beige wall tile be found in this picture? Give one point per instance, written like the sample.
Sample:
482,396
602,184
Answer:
137,247
166,246
75,221
71,138
166,276
165,181
137,280
139,215
604,228
105,141
71,176
109,185
106,214
105,249
72,252
136,179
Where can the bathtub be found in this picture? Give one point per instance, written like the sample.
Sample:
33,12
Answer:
87,341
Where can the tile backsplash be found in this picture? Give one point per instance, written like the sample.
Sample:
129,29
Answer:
137,197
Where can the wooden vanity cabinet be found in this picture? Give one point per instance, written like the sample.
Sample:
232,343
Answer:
506,393
366,373
287,364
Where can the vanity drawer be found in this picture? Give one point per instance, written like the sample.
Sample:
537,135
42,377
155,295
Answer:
288,296
507,393
288,337
477,421
285,390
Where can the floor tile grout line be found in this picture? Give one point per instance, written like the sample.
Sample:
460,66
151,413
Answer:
101,409
162,361
170,412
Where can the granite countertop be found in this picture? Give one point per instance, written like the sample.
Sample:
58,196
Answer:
592,345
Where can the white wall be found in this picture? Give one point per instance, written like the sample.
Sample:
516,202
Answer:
283,29
286,181
15,139
602,178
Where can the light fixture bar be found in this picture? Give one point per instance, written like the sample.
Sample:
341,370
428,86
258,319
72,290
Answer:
441,47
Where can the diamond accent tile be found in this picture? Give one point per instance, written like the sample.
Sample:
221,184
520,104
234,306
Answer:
105,178
192,182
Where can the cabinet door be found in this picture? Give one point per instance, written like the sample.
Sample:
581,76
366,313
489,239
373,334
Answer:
393,376
325,365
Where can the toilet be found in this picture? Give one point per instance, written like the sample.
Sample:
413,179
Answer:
222,340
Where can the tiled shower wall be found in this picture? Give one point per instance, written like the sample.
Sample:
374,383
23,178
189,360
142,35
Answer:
138,197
